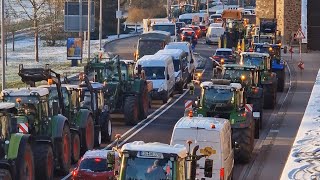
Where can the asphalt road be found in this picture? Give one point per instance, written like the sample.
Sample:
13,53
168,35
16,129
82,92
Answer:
279,125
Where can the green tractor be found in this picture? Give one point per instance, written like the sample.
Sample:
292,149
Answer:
126,92
16,149
247,76
266,78
220,98
41,121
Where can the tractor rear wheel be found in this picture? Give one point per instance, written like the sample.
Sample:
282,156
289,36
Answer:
244,138
281,80
88,135
64,150
131,111
75,145
106,130
143,103
25,163
5,174
269,97
44,161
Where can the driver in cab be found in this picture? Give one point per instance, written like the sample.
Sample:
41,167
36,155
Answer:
155,172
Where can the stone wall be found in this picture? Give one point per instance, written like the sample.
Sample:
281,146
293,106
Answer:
288,15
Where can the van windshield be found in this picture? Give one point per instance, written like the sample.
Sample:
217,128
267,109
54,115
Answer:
154,72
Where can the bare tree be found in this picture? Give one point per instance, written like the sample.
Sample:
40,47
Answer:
35,11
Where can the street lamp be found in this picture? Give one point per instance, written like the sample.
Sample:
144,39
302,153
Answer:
2,46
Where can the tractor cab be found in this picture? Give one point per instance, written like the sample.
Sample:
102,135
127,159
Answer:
32,108
260,60
246,75
221,98
140,160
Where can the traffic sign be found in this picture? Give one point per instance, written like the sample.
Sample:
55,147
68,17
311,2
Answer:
208,151
299,34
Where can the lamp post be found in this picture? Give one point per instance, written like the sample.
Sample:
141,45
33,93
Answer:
100,27
118,29
2,47
89,27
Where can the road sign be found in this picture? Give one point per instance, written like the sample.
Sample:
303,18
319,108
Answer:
299,34
248,107
208,151
118,14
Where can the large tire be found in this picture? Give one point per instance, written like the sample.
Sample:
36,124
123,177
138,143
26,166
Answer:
64,150
44,161
269,97
106,131
257,128
143,103
244,138
97,137
88,135
75,147
281,80
5,174
131,110
25,163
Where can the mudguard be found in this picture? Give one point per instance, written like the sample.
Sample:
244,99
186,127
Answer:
57,123
16,141
277,66
82,117
244,122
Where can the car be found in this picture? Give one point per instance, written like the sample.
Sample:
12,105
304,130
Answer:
97,164
188,36
213,34
223,56
180,25
197,30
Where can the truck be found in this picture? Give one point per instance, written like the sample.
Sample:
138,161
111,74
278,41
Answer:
222,99
126,92
161,24
151,42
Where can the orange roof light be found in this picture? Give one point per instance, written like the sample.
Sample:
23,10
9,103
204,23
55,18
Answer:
213,126
190,114
270,48
18,100
50,81
243,77
222,61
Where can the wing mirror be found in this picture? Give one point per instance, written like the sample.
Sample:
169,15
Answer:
208,168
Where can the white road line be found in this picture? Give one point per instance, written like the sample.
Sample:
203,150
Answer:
136,132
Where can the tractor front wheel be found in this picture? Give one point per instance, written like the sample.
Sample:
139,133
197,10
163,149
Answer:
44,161
88,135
97,137
5,174
106,130
75,143
244,138
25,163
131,110
64,150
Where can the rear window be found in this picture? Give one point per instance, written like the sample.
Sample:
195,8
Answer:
95,165
223,53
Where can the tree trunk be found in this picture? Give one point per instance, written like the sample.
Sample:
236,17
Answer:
12,40
36,39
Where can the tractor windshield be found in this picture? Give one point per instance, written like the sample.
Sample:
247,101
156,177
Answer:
274,52
154,72
148,168
238,76
23,99
253,61
213,96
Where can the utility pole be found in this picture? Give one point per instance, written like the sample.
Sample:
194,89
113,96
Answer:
100,27
275,9
118,29
89,27
208,7
2,47
80,27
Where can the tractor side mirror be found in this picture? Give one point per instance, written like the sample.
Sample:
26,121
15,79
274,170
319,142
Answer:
208,166
55,108
285,49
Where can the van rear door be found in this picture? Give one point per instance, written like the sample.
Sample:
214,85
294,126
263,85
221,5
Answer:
204,138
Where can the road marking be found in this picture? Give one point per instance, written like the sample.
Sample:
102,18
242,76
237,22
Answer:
154,118
274,131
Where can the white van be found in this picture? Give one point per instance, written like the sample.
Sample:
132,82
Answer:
213,34
213,135
186,47
160,70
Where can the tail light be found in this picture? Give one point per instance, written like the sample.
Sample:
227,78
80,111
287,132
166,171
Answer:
215,57
222,174
196,36
244,114
74,173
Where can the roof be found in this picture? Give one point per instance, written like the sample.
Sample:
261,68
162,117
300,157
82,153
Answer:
154,60
159,32
177,149
175,53
255,53
211,84
235,66
68,86
223,49
6,105
163,23
99,153
25,91
201,122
